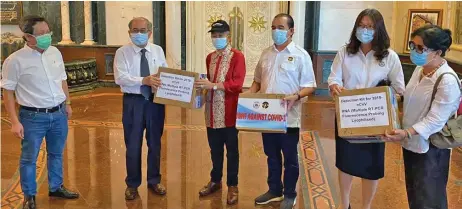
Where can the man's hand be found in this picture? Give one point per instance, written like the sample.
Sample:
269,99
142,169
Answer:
291,99
18,130
204,84
152,81
69,111
335,90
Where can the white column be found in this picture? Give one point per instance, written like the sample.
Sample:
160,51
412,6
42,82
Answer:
173,33
88,24
65,22
297,11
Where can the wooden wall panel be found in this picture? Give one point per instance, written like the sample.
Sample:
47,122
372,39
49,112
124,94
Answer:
77,52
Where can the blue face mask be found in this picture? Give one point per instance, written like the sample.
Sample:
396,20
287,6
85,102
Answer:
139,39
219,43
279,36
419,59
364,35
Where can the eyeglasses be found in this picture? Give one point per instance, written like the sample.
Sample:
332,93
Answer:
50,33
368,27
139,31
418,48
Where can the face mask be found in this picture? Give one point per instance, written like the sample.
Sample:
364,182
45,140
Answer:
279,36
43,41
139,39
420,59
219,43
365,35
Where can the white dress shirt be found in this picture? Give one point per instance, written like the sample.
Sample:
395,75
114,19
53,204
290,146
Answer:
127,65
35,77
285,72
417,102
358,71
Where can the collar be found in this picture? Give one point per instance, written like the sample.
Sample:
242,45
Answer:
138,49
290,48
33,50
226,51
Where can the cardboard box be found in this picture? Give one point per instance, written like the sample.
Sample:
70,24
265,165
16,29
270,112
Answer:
178,89
366,113
266,113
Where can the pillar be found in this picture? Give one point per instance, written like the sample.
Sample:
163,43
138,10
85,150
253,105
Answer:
65,22
297,11
88,23
173,32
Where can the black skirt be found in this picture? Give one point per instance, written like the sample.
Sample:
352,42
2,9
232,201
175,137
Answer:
364,160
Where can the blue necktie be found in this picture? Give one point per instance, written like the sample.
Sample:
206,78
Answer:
144,71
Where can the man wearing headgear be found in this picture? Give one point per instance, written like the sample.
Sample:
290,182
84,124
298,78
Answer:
135,69
225,77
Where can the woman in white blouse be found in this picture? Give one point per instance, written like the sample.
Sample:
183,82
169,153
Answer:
427,167
365,62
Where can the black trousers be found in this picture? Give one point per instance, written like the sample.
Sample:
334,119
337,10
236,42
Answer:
426,178
218,138
274,144
138,115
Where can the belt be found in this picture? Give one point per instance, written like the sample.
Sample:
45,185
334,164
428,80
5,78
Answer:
138,95
45,110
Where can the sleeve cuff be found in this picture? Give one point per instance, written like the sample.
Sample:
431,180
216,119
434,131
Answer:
421,130
309,85
8,85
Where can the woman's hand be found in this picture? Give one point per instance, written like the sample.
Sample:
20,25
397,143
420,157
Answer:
395,135
335,89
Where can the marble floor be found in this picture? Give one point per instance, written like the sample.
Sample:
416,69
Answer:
94,163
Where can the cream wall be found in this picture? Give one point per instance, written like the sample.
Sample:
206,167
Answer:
11,29
401,14
337,20
119,13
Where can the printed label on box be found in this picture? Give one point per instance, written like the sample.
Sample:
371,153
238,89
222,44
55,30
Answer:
367,110
176,87
261,114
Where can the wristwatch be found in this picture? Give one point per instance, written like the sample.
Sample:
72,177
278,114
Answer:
68,102
215,87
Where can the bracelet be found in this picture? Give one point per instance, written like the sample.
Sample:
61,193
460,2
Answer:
68,102
408,133
298,96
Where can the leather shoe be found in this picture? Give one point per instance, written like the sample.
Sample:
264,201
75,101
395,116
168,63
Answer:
131,193
29,203
210,188
62,192
158,189
233,194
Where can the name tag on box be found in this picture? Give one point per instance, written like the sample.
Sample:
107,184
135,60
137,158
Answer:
266,113
366,113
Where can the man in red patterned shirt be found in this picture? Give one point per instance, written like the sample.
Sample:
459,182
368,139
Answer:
225,73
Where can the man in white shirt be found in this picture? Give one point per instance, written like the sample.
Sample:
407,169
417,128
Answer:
284,68
36,75
135,69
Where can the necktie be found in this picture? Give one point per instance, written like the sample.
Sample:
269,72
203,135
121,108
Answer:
144,71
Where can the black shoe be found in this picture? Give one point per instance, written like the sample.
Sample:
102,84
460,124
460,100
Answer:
288,203
29,203
131,193
267,198
62,192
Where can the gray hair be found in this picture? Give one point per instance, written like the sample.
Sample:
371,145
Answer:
148,23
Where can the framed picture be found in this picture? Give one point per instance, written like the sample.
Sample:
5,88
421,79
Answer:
418,18
11,12
109,59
